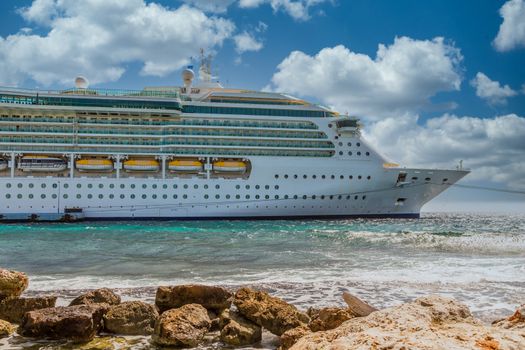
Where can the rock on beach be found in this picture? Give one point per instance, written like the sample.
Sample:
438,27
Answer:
131,318
212,298
12,283
97,296
269,312
237,330
12,309
182,327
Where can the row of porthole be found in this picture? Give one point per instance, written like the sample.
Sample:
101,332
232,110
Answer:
154,196
342,177
144,186
349,144
350,153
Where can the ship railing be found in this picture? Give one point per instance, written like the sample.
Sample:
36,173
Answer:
95,92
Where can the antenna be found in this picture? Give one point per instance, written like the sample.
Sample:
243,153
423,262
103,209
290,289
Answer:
205,67
81,82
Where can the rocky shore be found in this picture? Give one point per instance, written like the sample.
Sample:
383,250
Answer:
189,316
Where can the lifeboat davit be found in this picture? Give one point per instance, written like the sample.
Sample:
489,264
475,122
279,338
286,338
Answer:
185,165
229,166
3,164
94,165
42,164
141,165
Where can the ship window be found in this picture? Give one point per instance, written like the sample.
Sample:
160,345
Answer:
132,185
175,186
355,197
427,179
349,144
304,197
65,196
132,196
122,196
54,196
304,176
358,144
31,185
257,187
185,186
90,196
295,176
267,197
276,196
144,196
154,196
364,197
122,185
368,177
341,177
247,196
206,196
358,153
238,186
445,180
175,196
206,186
333,177
90,186
276,176
185,196
323,176
154,186
314,176
43,185
367,153
19,185
217,196
257,196
313,197
31,196
359,177
276,187
101,196
80,196
350,153
195,186
340,153
238,196
165,196
66,186
8,185
217,186
228,196
414,178
55,185
322,197
285,176
100,186
268,186
41,196
19,196
247,187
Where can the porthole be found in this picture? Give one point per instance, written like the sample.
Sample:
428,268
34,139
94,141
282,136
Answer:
427,179
175,196
349,144
65,196
238,186
228,196
165,186
368,177
350,153
340,143
80,196
445,180
351,177
358,153
313,197
276,176
8,185
132,186
154,186
364,197
154,196
80,185
295,197
90,196
304,176
295,176
111,196
267,197
185,186
314,176
55,185
43,196
165,196
132,196
185,196
367,153
341,177
340,153
285,176
304,197
358,144
90,185
247,187
31,185
66,185
333,177
111,186
247,196
30,196
276,196
217,186
355,197
195,186
122,196
322,197
276,187
206,196
43,185
323,176
19,185
122,186
175,186
257,187
54,196
359,177
267,187
19,196
206,187
217,196
238,196
257,196
100,196
100,185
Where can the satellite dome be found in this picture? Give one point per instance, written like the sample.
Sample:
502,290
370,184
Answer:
81,82
188,75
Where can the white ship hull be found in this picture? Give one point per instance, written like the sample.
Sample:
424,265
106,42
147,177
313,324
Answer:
261,196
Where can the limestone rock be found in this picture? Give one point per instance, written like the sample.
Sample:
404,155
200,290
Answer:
12,309
432,322
182,327
131,318
6,329
97,296
516,321
328,318
78,323
238,331
212,298
356,306
291,336
12,283
269,312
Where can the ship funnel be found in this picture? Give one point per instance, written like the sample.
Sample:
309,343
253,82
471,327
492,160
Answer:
81,82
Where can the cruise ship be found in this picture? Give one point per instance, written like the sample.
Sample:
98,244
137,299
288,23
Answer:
197,151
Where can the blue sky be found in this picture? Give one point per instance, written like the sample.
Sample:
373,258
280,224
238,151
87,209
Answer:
448,84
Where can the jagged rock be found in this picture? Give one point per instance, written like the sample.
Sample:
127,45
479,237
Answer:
182,327
12,309
328,318
432,322
97,296
516,321
6,329
78,323
12,283
269,312
356,306
237,330
212,298
291,336
131,318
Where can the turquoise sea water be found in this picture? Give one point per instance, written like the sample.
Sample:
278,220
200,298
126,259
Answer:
478,259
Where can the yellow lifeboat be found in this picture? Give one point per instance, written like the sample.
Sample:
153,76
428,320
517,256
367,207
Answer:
94,165
3,164
42,164
185,165
229,166
141,165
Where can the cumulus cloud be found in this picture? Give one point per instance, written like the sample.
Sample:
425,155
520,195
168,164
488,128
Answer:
246,42
98,38
402,76
493,148
214,6
511,32
298,9
490,90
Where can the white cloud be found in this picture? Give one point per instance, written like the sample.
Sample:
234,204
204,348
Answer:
214,6
98,38
490,90
512,31
246,42
298,9
402,76
492,148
